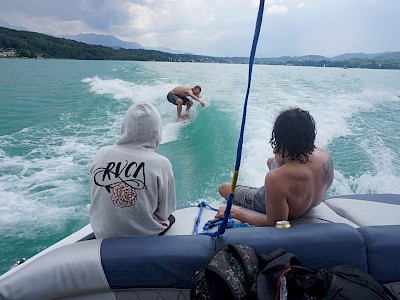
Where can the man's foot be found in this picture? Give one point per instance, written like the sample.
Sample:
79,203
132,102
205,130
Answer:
183,117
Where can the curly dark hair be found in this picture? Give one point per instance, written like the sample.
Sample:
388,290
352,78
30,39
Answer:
294,134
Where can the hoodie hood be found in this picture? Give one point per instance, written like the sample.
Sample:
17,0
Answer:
141,127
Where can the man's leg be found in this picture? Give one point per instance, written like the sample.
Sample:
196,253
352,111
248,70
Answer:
224,190
188,105
179,103
244,195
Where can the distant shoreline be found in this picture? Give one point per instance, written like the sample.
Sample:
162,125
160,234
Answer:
295,64
26,44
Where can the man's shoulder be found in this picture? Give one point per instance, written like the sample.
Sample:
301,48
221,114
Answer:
289,172
275,176
321,151
182,87
320,155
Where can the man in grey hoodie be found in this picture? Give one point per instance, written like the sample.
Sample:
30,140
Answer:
132,187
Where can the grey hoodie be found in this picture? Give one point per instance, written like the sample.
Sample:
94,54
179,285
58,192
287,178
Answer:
132,187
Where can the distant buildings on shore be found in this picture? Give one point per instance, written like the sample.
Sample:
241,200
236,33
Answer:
13,53
7,52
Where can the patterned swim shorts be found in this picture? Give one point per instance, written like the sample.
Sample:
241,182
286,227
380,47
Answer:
172,98
250,197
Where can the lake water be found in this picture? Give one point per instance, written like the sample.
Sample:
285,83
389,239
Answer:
55,114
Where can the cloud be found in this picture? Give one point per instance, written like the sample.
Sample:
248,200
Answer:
301,5
220,28
205,26
277,10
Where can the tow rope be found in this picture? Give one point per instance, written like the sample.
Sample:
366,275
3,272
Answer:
223,225
214,222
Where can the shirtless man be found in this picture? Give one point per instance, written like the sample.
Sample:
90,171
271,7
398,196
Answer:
178,96
299,176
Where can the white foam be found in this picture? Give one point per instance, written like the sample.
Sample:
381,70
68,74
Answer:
120,89
45,186
170,132
19,211
156,94
382,177
332,109
34,181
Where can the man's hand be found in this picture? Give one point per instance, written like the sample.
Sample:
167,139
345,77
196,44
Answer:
221,210
244,217
202,103
220,213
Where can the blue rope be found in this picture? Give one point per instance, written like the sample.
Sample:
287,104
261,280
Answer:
215,222
227,213
196,226
226,223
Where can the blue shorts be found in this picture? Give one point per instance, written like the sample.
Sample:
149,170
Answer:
172,98
250,197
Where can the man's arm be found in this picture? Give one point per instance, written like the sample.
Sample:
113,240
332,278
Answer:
244,216
328,171
275,198
275,201
190,92
194,97
272,163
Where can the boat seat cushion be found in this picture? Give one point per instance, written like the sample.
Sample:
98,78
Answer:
366,211
167,261
73,269
383,248
317,245
188,215
321,214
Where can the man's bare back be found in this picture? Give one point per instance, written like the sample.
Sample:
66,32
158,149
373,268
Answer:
295,187
300,174
183,91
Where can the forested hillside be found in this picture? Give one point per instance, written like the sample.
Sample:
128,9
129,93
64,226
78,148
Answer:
33,45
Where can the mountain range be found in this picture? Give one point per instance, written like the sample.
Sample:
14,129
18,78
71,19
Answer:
10,26
106,47
102,40
113,42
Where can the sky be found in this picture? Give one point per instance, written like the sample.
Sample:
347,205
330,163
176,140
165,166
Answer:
221,27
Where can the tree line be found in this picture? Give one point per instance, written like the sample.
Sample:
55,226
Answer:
32,45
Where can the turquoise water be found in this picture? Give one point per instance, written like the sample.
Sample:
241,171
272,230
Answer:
55,114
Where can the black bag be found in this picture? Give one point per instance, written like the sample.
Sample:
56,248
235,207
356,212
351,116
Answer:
351,283
283,275
272,266
229,274
393,289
